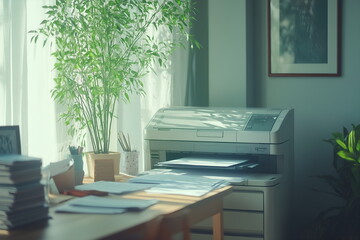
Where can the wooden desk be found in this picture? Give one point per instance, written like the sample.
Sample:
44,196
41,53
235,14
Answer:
96,226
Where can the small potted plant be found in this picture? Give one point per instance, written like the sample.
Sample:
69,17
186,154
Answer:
129,163
342,222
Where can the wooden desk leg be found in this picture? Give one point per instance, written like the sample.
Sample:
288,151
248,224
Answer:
218,226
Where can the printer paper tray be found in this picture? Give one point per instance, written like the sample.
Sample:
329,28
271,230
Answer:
233,177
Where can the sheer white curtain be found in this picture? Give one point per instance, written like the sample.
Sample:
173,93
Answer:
13,76
26,80
164,88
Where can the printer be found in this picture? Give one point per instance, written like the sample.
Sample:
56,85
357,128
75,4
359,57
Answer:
258,207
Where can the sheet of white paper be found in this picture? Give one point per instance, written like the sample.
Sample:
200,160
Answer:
205,162
101,205
122,203
194,193
114,187
91,210
62,166
188,190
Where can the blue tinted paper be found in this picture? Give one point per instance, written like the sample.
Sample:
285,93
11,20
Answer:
113,187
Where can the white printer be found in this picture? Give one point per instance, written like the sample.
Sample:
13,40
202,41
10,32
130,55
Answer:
258,207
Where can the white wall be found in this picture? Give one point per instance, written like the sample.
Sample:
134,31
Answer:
227,55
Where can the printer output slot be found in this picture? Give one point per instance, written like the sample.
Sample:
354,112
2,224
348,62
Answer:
251,164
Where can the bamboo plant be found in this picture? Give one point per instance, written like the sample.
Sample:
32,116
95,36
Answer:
103,48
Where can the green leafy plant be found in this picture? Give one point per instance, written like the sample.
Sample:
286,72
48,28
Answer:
342,222
103,49
347,164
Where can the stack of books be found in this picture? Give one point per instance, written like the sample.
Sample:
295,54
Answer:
22,197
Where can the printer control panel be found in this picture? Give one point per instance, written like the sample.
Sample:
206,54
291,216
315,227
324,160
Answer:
261,122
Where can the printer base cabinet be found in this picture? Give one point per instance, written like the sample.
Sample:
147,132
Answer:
251,213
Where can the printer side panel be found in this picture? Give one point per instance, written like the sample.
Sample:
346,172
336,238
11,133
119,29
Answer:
283,129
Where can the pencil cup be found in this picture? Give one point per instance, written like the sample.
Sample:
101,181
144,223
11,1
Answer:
129,163
78,168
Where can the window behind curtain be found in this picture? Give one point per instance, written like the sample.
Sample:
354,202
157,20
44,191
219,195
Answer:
26,80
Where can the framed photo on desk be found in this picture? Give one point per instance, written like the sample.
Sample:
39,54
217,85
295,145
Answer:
304,38
10,140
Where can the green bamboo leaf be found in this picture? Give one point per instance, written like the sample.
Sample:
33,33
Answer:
51,12
44,22
346,155
341,144
351,141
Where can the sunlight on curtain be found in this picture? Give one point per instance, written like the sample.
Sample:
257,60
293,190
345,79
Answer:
4,58
5,73
26,80
13,67
164,88
47,136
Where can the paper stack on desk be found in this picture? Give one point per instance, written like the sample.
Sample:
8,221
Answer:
22,198
101,205
183,184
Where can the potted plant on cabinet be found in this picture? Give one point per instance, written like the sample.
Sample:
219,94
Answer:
103,49
342,222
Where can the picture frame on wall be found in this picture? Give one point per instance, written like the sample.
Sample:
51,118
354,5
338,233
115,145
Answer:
10,140
304,37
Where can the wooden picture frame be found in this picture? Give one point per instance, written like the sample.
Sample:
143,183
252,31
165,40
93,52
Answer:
304,38
10,140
